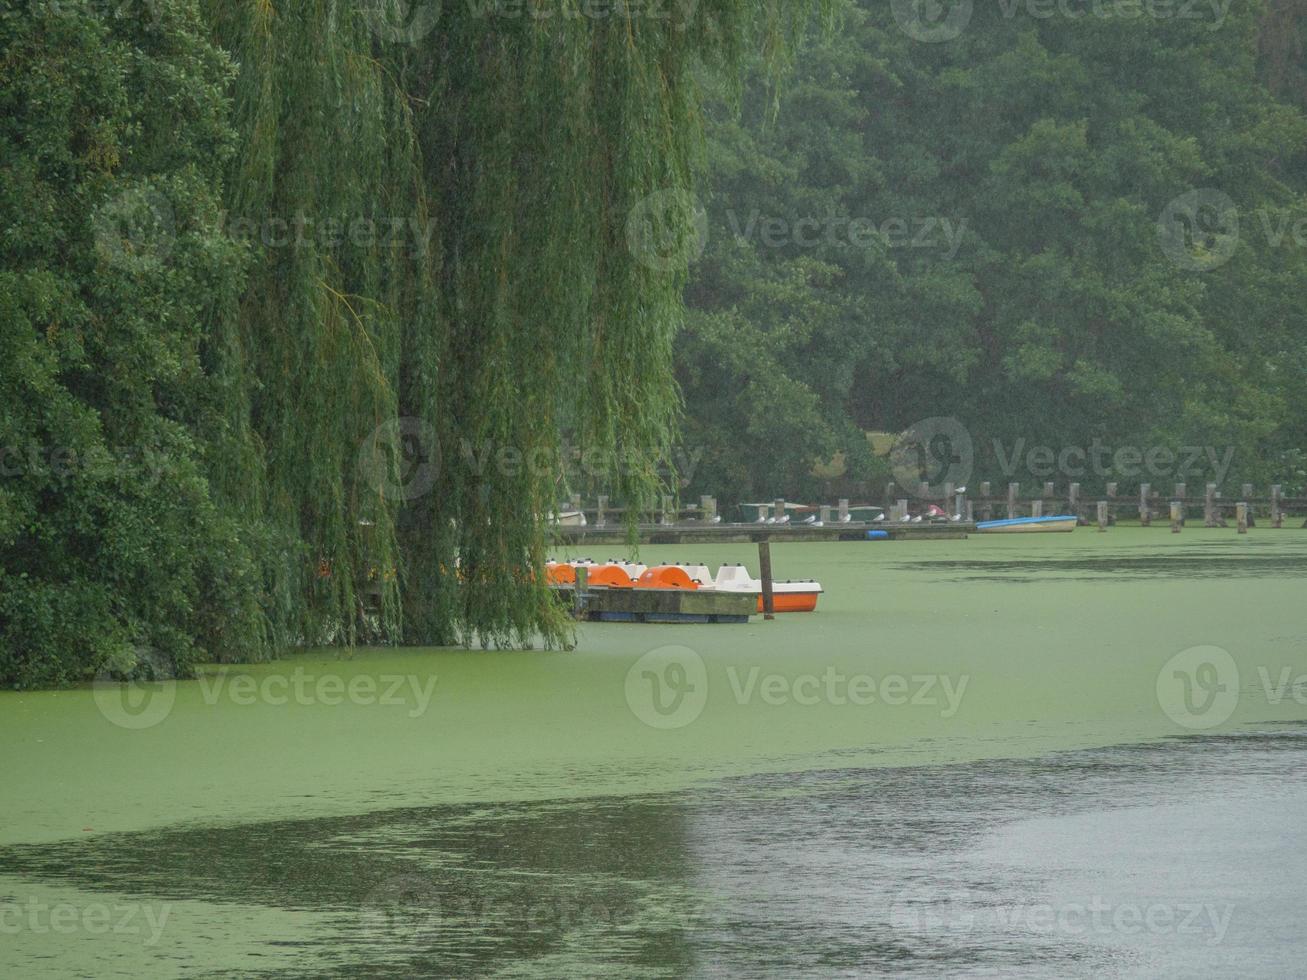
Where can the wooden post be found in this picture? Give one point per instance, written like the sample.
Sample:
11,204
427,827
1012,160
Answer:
1036,508
1181,494
706,509
902,511
779,510
578,599
667,510
1209,506
1102,516
1012,490
1277,510
825,514
1241,509
1048,491
986,492
970,513
1073,500
961,506
1145,511
601,519
948,494
1177,516
764,569
844,510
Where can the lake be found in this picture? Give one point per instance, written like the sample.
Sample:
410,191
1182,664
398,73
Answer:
1009,756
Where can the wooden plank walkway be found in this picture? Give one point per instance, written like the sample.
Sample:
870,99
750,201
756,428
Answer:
752,533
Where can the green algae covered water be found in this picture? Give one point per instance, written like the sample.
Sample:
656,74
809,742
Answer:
1032,755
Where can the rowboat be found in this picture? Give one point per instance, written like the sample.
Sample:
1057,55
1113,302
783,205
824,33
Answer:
1030,525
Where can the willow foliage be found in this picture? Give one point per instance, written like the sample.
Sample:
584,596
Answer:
408,392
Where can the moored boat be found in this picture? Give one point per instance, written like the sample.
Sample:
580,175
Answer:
1030,525
786,596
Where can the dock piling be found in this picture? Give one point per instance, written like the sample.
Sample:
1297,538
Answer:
579,596
764,569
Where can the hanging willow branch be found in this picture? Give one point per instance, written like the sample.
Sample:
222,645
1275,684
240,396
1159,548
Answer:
409,399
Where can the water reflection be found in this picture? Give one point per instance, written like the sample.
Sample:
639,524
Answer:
1186,855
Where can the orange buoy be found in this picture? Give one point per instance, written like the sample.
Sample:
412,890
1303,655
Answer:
666,577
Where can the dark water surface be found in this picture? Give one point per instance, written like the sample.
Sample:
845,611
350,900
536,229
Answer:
1186,857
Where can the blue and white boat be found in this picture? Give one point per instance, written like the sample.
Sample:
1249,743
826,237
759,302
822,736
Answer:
1030,525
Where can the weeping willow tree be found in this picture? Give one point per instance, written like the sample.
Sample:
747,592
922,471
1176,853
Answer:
469,227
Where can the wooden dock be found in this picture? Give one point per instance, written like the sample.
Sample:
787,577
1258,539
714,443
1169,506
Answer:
600,604
697,533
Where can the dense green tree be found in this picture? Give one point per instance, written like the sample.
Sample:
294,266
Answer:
316,264
1099,291
113,555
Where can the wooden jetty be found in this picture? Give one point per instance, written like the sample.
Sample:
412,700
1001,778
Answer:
699,533
673,523
600,604
1149,504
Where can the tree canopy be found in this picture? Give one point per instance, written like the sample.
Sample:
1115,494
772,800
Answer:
293,272
1054,229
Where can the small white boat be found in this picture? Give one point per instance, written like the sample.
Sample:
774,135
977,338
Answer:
786,596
